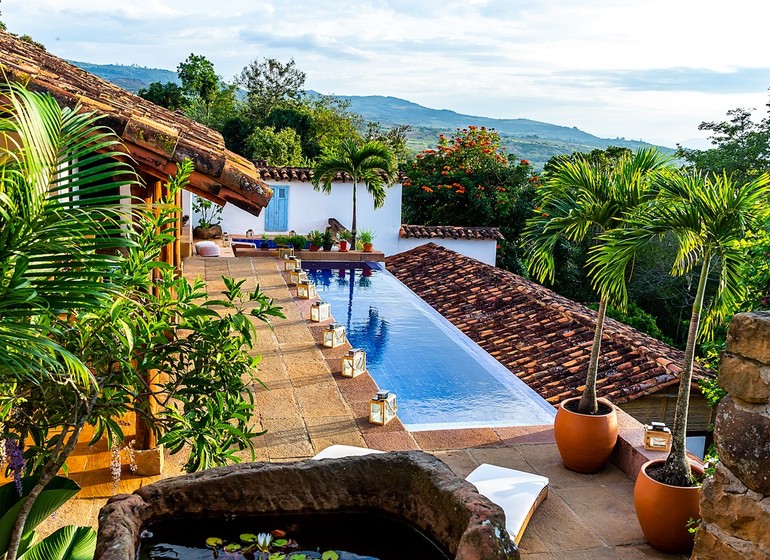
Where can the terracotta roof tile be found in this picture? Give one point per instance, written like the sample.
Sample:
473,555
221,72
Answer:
156,138
543,338
449,232
302,174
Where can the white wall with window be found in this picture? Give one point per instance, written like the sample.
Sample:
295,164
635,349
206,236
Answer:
297,206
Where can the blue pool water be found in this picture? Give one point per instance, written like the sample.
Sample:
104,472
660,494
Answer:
442,379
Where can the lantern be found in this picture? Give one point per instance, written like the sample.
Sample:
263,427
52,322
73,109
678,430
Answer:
320,311
284,252
334,335
353,363
226,240
657,437
306,290
298,277
382,408
290,262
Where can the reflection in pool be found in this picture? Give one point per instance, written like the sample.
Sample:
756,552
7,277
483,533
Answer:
441,377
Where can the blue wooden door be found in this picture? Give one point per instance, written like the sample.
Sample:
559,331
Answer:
277,211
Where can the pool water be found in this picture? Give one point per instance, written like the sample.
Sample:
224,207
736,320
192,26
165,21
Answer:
442,379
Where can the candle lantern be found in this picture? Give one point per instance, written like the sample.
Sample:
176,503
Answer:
297,276
320,311
290,262
334,335
353,363
284,252
657,437
382,408
226,240
306,290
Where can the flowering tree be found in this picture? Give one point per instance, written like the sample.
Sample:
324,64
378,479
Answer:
469,180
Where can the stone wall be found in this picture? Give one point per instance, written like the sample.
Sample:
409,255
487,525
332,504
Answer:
735,503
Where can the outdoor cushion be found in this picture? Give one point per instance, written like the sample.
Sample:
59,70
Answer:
337,451
518,493
207,249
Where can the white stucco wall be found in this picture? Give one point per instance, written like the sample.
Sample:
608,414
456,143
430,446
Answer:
481,250
310,209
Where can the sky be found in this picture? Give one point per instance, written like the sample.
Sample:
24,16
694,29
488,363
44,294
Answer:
651,70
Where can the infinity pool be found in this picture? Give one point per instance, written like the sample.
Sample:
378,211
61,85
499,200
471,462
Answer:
442,378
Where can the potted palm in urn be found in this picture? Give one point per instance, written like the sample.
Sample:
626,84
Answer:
709,216
578,198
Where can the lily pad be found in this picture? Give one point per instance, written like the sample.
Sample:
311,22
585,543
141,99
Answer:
280,542
214,542
248,537
330,555
232,547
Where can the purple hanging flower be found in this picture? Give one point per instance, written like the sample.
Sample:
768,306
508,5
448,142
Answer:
15,456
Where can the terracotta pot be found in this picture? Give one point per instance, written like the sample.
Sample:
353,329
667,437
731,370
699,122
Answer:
664,511
585,441
313,247
368,247
213,232
343,246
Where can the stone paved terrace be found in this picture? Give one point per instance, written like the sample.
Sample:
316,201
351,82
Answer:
309,406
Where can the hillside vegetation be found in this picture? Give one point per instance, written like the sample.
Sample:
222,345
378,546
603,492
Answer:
532,140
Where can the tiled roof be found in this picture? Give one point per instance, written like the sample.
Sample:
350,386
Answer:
449,232
156,137
302,174
542,337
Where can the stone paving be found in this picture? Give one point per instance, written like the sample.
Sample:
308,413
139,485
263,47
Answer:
308,406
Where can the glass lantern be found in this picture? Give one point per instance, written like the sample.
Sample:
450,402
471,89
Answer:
320,311
306,290
657,437
284,252
291,262
382,408
334,335
226,240
353,363
298,277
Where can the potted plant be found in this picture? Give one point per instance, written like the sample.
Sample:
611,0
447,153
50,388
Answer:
344,236
316,239
327,240
709,216
209,218
366,236
299,242
581,197
281,240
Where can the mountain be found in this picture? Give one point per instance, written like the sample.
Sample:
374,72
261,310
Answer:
535,141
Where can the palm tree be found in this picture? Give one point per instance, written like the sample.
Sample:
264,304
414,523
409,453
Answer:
583,198
372,163
709,217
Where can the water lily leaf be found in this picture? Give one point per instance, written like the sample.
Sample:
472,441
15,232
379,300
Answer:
330,555
232,547
280,542
214,542
248,537
276,556
298,557
278,534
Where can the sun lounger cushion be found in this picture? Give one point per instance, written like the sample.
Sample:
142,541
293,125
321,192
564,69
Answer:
518,493
207,249
336,451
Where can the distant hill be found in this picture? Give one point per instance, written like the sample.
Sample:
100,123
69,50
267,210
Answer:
535,141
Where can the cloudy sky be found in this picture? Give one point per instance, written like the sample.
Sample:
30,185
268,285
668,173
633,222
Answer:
649,70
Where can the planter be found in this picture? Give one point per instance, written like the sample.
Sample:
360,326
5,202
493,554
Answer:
664,511
585,441
343,246
328,247
313,247
368,247
213,232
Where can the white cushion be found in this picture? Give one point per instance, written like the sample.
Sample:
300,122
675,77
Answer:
207,249
337,451
518,493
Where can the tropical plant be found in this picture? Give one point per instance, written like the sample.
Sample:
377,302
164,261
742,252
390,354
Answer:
298,241
581,199
209,213
327,239
281,240
67,543
345,234
315,237
709,216
372,164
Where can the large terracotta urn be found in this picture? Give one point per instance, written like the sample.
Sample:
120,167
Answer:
585,441
664,511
